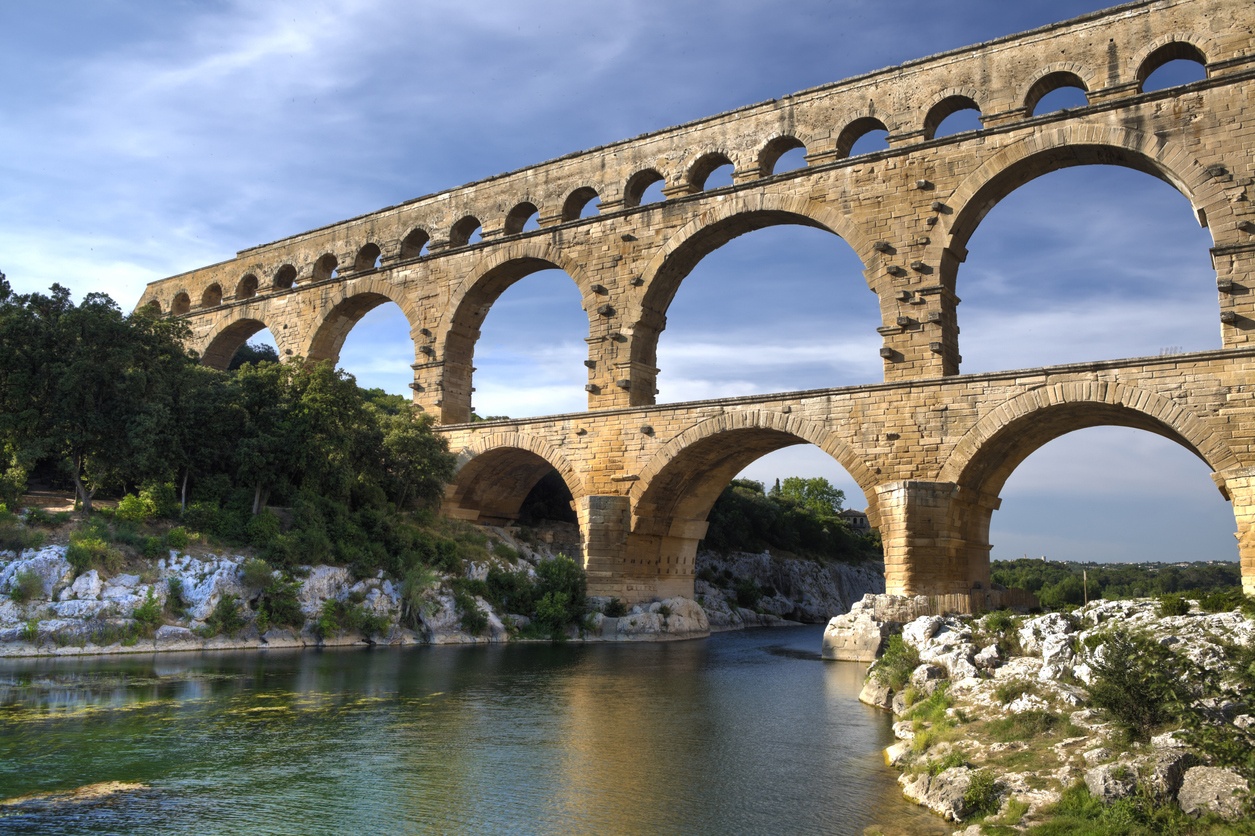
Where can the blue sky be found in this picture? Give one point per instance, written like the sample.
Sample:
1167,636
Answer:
139,140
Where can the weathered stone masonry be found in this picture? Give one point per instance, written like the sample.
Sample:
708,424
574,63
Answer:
930,448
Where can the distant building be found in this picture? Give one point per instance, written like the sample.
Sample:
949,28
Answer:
857,519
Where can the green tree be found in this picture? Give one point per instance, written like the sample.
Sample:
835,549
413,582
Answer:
817,495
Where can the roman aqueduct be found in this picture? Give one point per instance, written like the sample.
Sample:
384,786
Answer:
930,447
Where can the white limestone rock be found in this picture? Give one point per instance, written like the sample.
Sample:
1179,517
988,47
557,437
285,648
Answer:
322,584
48,563
856,636
86,587
918,632
1209,789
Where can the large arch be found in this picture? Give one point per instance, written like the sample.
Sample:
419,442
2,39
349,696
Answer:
732,217
678,487
497,472
346,306
227,340
469,305
989,453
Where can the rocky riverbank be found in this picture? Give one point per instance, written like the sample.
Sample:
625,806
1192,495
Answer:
177,603
1113,713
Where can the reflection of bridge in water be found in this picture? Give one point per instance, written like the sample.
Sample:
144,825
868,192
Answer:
930,448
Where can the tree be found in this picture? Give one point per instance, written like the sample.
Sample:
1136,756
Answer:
816,495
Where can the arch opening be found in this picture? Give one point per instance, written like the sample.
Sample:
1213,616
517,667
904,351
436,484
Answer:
581,203
508,485
154,307
181,304
1173,64
643,187
1056,91
710,171
783,309
862,136
212,297
1081,264
325,267
369,257
369,336
784,153
952,115
285,277
247,288
414,245
522,218
465,232
236,341
529,345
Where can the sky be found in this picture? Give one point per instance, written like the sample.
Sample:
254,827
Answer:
142,139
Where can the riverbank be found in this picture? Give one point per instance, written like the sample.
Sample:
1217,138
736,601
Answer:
193,601
1123,716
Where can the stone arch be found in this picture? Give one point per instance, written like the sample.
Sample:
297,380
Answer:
285,277
574,205
325,267
212,297
518,217
413,243
497,472
636,185
181,304
1055,77
946,103
1006,435
735,215
366,257
1063,146
345,307
773,150
855,131
470,302
226,340
247,287
461,232
1164,49
153,306
678,487
701,169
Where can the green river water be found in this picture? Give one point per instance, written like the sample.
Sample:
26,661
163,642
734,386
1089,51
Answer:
746,732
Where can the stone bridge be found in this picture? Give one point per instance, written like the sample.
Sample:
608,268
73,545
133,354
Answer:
931,448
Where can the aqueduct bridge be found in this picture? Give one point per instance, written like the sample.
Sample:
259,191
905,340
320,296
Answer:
930,447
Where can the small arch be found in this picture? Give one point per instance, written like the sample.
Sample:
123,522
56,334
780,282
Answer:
153,307
771,157
707,164
181,305
867,133
464,230
1046,93
938,122
1171,52
223,346
247,288
496,475
212,297
285,277
415,244
369,257
325,267
579,203
637,185
521,217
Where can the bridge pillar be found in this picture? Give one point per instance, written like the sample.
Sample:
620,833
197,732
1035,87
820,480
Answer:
1238,486
604,524
1235,275
923,527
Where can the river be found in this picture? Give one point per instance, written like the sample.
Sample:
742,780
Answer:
746,732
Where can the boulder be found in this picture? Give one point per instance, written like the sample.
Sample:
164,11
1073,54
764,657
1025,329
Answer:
875,694
943,793
48,563
927,678
854,637
1165,772
1111,782
86,586
987,658
919,631
1209,789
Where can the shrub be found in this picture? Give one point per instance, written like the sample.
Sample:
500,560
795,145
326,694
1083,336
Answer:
1173,605
175,603
16,538
279,604
981,796
162,498
615,608
748,593
414,601
505,552
932,709
26,584
40,517
339,617
87,552
133,508
893,668
256,574
148,614
263,528
473,620
551,614
1023,726
1140,683
226,617
563,576
177,538
950,761
1013,689
152,548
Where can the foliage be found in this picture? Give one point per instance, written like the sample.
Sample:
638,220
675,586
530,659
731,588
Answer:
932,709
148,614
1012,689
176,605
135,509
562,587
1080,814
1141,683
798,515
1025,725
177,538
339,617
893,668
256,573
1173,605
473,620
981,796
1059,584
415,603
25,586
89,550
226,616
279,604
615,608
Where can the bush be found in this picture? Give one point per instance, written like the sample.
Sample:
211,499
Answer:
615,608
177,538
1173,605
92,552
175,603
748,593
26,585
148,614
981,797
414,601
1023,726
339,617
226,617
133,508
162,498
893,668
473,620
1013,689
279,604
15,538
263,528
1140,683
256,574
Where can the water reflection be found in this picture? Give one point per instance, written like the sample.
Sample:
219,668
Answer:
746,732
